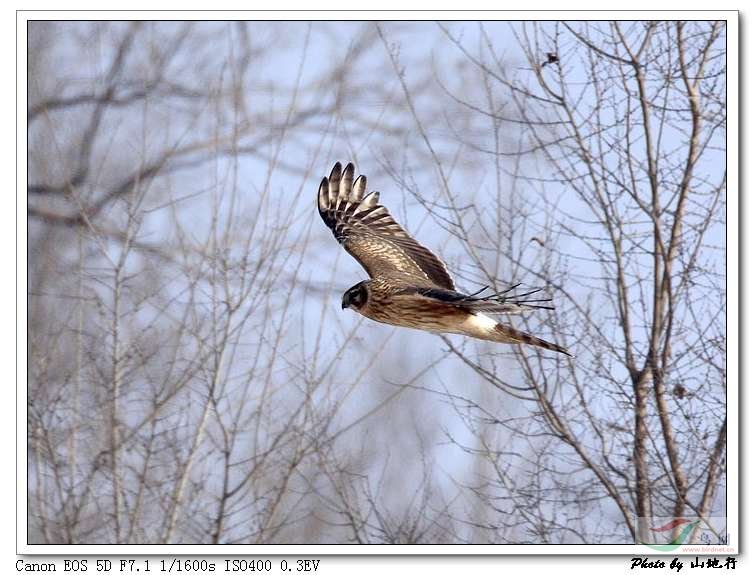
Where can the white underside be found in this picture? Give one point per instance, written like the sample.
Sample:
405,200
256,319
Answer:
480,323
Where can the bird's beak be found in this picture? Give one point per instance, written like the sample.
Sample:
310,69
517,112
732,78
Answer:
344,305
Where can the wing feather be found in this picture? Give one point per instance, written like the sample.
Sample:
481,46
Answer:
497,303
369,233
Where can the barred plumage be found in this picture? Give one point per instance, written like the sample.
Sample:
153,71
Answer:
369,233
409,286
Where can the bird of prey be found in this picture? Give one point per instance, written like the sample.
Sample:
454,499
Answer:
409,286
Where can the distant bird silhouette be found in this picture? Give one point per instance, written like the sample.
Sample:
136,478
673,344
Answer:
552,59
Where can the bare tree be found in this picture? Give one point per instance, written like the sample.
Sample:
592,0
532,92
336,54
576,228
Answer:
192,378
183,384
617,204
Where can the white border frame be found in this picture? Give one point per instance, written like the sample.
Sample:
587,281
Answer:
228,551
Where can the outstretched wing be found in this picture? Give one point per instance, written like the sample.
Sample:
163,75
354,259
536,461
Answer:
368,232
505,302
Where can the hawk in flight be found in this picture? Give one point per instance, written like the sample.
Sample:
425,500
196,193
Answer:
409,286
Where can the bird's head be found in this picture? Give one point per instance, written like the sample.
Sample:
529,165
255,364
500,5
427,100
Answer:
355,297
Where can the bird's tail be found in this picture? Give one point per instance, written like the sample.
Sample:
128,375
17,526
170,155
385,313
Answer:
483,326
506,334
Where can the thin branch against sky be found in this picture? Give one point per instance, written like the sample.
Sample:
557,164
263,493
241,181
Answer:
201,384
